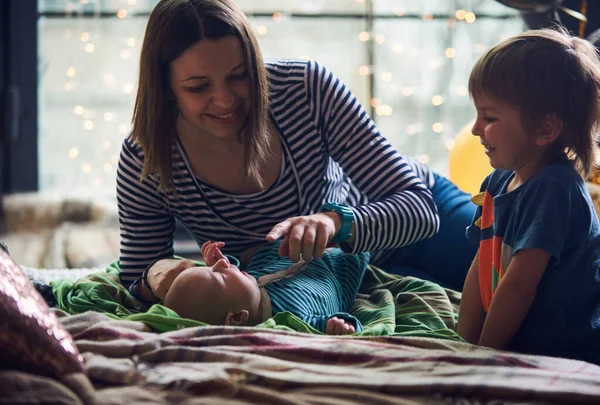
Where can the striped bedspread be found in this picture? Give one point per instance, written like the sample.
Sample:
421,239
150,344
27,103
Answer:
128,364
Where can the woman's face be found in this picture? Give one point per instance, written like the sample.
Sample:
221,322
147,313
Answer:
211,86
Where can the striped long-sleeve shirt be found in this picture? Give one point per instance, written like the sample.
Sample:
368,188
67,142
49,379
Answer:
324,288
332,151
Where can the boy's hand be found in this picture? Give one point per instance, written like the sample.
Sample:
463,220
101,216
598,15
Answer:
211,252
337,326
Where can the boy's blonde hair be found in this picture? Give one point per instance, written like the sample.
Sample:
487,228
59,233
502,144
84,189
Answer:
544,72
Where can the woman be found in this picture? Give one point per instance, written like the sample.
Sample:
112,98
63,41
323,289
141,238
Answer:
238,150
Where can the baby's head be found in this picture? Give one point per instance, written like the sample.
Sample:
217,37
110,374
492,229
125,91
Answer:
549,78
217,295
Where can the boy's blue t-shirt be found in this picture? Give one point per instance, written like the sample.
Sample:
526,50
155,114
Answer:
324,288
552,211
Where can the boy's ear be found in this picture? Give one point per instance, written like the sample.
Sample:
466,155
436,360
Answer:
237,318
550,129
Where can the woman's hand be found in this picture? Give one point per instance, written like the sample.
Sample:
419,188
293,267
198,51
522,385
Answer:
211,251
307,235
338,326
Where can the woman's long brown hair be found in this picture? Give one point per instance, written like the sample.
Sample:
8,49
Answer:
174,26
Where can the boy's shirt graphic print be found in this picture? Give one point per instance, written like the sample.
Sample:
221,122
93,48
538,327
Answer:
494,254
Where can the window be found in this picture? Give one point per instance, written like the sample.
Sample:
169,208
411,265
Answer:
407,61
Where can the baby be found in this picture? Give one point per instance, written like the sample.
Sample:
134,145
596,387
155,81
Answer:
319,292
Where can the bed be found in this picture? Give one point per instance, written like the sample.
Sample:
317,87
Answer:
408,355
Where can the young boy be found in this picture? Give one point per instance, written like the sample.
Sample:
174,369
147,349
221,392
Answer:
320,292
534,286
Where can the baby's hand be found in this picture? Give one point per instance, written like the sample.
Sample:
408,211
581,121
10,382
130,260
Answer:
211,252
337,326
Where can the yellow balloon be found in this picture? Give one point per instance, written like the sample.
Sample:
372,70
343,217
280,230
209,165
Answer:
468,163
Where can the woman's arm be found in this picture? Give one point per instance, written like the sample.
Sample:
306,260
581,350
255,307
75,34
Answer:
513,297
401,209
146,225
471,315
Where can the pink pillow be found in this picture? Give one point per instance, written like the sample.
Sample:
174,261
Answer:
31,336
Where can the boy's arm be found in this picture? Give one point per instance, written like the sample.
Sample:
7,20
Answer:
471,315
513,297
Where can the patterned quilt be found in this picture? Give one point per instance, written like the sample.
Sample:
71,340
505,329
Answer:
410,355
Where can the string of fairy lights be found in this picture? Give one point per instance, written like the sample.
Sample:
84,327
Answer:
102,173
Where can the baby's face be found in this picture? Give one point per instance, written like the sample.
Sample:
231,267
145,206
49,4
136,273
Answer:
228,282
209,292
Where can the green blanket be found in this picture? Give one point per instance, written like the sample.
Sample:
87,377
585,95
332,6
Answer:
386,305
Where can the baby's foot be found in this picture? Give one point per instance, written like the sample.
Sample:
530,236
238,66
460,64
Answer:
337,326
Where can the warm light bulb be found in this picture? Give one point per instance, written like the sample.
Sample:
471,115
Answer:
71,72
88,124
450,53
89,48
386,77
109,79
131,2
127,88
122,13
462,91
398,48
125,54
412,129
363,70
407,91
423,159
84,36
380,39
437,100
73,153
374,102
261,30
277,17
438,127
461,14
384,110
449,144
131,41
79,110
470,17
108,116
364,36
86,168
435,64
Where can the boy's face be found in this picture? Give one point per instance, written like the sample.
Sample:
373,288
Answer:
500,129
208,293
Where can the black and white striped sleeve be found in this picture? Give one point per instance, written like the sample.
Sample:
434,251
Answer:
401,209
146,225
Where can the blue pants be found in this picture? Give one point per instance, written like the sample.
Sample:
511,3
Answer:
445,258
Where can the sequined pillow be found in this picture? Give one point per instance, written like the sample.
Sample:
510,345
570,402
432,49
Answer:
31,336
